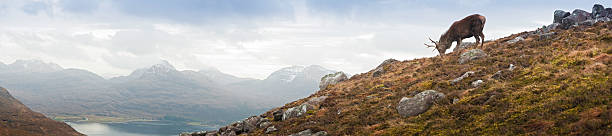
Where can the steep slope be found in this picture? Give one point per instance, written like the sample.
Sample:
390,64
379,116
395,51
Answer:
549,82
18,120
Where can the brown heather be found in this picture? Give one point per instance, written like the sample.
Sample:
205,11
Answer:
561,86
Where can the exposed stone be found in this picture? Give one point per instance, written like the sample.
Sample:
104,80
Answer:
383,67
264,124
576,17
464,45
547,35
297,111
316,100
278,115
517,39
559,15
332,79
308,132
250,124
471,55
603,19
419,103
270,129
465,75
598,10
477,83
511,67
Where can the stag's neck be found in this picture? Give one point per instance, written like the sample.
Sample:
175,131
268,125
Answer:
446,37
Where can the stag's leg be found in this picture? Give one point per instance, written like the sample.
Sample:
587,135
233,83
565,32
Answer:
477,40
483,39
458,43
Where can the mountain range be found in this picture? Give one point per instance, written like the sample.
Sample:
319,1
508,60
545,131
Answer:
155,92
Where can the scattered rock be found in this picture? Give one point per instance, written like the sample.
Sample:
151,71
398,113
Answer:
278,115
297,111
465,75
419,103
464,45
331,79
517,39
251,123
316,100
511,67
546,35
559,15
477,83
264,124
471,55
383,67
270,129
308,132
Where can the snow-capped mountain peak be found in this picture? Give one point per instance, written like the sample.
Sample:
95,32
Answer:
33,66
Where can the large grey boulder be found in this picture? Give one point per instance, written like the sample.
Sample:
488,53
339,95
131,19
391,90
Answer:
297,111
576,17
332,79
559,15
471,55
270,129
308,132
464,45
278,115
250,124
419,103
383,67
598,10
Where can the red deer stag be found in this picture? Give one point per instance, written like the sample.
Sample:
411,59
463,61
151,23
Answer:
465,28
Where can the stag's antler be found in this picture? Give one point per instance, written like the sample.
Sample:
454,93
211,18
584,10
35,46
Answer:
434,46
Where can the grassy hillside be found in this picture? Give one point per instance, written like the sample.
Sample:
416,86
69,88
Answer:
561,85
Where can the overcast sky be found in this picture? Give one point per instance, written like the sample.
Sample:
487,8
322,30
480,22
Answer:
248,38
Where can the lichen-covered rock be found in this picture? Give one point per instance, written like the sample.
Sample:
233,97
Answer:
517,39
270,129
278,115
559,15
308,132
250,124
576,17
383,67
332,79
471,55
477,83
297,111
465,75
315,101
419,103
598,10
463,46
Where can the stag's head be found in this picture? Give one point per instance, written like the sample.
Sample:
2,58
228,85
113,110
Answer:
441,45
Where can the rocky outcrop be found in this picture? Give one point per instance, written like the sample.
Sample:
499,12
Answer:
559,15
332,79
471,55
477,83
383,67
419,103
581,17
240,127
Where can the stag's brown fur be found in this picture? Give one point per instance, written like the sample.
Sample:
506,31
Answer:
465,28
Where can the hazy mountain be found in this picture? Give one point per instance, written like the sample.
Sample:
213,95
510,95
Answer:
156,91
18,120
